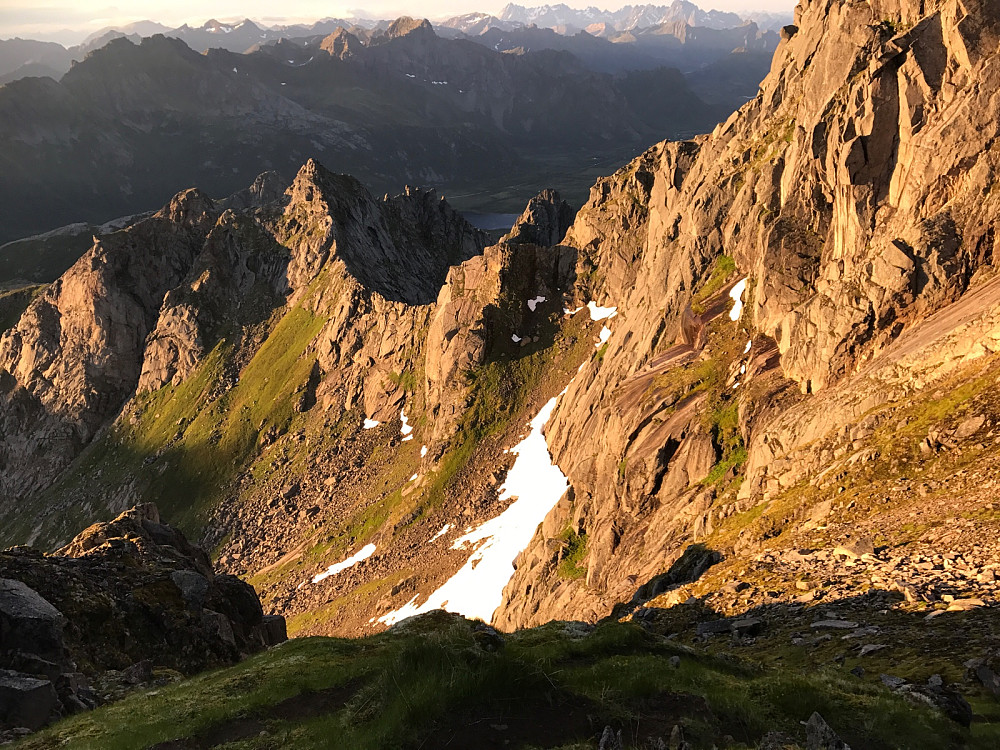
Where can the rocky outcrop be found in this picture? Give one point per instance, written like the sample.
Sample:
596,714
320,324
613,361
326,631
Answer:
123,598
267,188
854,193
543,222
483,308
236,280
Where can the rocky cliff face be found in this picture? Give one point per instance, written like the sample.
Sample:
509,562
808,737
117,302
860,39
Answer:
855,195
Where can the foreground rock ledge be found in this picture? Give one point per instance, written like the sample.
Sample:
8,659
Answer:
125,604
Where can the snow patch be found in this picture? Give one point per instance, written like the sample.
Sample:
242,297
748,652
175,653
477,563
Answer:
737,295
603,337
406,428
515,338
746,349
533,303
423,451
601,313
444,530
414,478
371,424
536,484
363,554
567,311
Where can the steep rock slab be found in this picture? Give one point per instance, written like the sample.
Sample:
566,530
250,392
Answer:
854,192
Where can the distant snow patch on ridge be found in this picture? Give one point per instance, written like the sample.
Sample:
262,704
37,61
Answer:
371,424
737,294
536,484
363,554
406,428
601,313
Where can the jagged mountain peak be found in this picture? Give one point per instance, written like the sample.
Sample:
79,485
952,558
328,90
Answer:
341,43
544,221
267,187
404,26
378,241
189,207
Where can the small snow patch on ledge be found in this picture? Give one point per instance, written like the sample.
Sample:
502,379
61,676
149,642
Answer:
444,530
363,554
601,313
603,338
737,295
371,424
533,303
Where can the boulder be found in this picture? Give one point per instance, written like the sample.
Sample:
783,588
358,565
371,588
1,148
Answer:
29,623
834,625
820,736
855,548
273,630
193,586
739,626
26,701
969,427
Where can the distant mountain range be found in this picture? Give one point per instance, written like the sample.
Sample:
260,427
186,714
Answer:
477,103
20,58
603,22
133,122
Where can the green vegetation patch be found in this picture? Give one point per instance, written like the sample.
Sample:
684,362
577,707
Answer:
13,303
573,563
722,270
440,679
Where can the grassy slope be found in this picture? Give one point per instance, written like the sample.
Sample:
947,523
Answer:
436,682
13,303
44,259
187,443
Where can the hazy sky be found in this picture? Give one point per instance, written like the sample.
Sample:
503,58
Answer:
51,18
